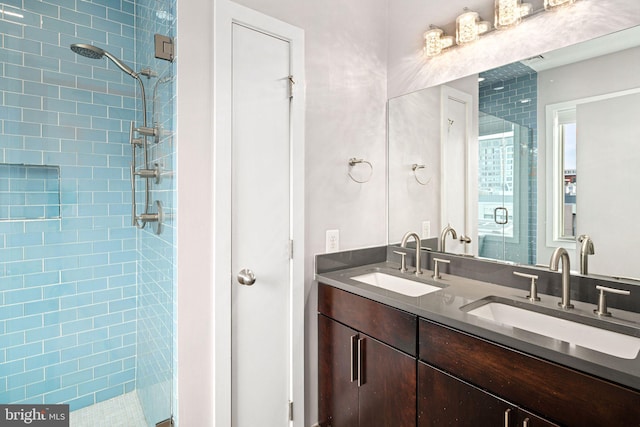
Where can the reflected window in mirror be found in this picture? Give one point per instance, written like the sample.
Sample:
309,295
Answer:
495,184
565,182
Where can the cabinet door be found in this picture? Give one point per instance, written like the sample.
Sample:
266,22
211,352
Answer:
388,391
338,406
446,401
527,419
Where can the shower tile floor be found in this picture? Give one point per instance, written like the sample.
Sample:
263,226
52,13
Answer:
123,411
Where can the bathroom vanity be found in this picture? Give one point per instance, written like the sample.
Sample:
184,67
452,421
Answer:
391,358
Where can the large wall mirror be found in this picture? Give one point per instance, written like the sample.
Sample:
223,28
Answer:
549,152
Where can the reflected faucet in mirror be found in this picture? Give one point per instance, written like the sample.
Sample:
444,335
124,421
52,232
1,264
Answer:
556,256
443,235
403,244
586,249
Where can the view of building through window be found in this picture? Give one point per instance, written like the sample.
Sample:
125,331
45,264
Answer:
496,180
568,135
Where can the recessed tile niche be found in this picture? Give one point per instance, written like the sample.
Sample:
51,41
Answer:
29,192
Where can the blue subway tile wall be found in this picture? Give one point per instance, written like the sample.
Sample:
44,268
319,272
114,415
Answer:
511,93
156,362
68,285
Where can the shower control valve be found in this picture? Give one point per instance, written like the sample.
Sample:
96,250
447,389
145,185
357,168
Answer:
147,131
155,173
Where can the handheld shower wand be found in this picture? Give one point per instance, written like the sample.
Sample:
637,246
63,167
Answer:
93,52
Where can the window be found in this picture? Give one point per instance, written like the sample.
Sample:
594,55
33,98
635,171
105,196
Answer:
565,173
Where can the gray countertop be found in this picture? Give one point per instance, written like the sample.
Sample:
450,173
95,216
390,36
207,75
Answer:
444,307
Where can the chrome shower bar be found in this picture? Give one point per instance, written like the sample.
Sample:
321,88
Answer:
141,220
144,131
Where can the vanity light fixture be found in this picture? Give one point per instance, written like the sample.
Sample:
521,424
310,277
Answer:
509,13
469,27
553,4
435,41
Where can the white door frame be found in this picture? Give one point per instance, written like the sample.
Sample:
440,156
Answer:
225,14
449,93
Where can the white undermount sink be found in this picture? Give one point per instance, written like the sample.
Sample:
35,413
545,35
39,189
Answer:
397,284
602,340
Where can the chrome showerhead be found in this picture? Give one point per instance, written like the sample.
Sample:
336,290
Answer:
94,52
87,50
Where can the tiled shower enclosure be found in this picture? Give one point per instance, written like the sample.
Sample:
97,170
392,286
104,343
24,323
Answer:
87,300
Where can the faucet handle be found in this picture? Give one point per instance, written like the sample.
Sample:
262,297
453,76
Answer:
602,299
436,266
533,293
403,260
464,239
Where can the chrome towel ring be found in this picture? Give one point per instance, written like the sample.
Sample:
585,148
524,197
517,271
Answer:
353,162
414,168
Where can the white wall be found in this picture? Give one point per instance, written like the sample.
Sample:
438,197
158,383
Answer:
195,203
607,171
409,70
414,131
414,137
602,75
354,50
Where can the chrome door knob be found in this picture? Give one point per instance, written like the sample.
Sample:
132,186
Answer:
246,277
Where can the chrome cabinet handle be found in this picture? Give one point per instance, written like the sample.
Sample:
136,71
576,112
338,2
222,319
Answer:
360,362
507,416
246,277
525,423
354,339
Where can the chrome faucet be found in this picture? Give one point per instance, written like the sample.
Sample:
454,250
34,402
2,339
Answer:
586,249
403,244
448,229
556,256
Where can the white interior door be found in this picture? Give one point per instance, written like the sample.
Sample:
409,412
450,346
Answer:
454,161
261,229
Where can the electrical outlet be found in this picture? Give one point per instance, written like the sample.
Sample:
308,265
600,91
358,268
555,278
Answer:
332,243
426,229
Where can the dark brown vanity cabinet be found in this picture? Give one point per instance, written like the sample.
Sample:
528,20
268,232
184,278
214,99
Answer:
444,400
380,366
554,392
366,378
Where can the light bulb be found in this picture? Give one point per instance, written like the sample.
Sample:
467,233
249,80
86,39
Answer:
553,4
435,42
469,27
509,13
